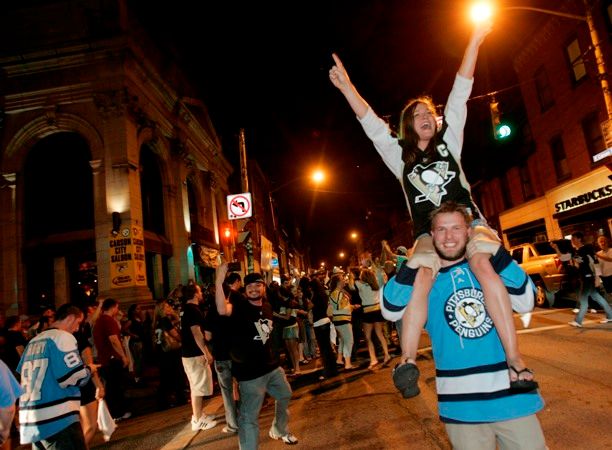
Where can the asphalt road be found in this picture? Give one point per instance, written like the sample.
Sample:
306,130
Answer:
362,410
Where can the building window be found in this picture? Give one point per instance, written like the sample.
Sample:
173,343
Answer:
592,133
543,89
559,158
576,63
526,182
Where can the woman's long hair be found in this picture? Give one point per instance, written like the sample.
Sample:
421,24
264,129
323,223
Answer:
160,313
368,276
408,137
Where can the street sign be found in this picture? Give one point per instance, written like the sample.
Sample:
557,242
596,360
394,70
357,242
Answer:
603,154
239,206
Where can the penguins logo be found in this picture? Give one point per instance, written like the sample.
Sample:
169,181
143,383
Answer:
430,180
264,329
466,315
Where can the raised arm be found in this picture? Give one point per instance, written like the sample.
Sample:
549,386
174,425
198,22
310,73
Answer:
224,307
388,253
339,78
468,64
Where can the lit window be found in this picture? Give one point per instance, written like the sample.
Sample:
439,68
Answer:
574,57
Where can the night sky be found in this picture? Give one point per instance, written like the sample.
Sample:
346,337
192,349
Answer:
263,66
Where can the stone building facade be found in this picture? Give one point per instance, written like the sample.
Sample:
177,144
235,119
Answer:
113,177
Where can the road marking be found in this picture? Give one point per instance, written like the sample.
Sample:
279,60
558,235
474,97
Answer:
554,327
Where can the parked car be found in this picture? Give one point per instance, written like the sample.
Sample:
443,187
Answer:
555,281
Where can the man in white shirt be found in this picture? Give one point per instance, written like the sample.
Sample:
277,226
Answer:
605,263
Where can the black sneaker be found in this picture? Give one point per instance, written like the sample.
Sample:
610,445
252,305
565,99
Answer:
405,378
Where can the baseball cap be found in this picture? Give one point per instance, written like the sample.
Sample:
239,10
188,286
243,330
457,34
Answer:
253,278
402,250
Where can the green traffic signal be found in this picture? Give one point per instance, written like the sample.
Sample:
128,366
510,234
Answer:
503,131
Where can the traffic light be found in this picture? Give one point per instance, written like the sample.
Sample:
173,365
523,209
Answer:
501,130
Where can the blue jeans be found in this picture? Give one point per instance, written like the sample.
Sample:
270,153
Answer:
252,394
310,343
226,383
587,289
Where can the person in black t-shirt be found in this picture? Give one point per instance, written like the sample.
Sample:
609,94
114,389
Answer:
217,330
584,259
196,358
254,363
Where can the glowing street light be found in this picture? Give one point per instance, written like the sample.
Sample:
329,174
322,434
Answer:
341,255
318,176
354,235
481,12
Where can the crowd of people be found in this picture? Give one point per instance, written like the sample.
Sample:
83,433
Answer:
251,336
321,322
318,320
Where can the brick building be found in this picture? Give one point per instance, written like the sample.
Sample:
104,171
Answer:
558,188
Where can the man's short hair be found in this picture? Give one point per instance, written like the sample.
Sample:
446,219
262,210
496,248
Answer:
189,292
578,235
106,304
233,277
68,309
451,206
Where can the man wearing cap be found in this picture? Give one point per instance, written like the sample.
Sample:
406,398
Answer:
254,363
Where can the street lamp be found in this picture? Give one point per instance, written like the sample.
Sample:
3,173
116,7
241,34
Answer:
483,10
317,177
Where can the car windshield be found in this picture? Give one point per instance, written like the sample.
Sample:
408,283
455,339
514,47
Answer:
544,248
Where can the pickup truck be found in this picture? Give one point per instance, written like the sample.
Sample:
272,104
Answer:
541,263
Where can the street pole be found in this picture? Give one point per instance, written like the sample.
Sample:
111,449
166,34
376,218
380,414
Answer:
601,65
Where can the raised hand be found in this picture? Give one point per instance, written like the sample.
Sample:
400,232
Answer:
338,75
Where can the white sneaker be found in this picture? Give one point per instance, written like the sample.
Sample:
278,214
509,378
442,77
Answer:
526,319
288,438
593,311
127,415
229,430
605,321
204,423
575,324
575,310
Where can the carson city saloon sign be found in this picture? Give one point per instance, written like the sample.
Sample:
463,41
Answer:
127,258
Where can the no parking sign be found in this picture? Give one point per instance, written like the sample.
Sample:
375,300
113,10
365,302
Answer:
239,206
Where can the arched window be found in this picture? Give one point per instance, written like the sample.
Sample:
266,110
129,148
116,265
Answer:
58,221
151,191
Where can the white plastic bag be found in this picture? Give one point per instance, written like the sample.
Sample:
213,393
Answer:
106,424
333,334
